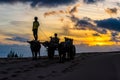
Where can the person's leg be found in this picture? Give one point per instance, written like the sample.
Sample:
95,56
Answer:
35,34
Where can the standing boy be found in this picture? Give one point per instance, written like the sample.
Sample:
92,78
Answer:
35,28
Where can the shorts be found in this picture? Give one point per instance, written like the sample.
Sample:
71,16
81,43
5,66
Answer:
35,31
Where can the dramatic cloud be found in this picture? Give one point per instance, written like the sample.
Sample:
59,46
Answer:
18,39
69,10
74,9
92,1
53,13
48,3
111,11
111,24
98,25
84,23
87,23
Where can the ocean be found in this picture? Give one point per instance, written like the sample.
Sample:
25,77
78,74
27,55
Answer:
23,50
26,52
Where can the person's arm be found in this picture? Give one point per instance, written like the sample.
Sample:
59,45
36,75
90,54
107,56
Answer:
32,26
38,24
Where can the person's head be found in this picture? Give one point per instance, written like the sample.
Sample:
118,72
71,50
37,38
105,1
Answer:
35,18
50,37
65,38
55,34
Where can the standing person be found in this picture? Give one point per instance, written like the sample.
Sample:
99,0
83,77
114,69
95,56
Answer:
35,28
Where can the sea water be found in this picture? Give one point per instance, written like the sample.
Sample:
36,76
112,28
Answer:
21,50
25,51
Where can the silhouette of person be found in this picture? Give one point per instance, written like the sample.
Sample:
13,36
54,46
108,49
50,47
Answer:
55,40
51,39
35,28
53,45
68,41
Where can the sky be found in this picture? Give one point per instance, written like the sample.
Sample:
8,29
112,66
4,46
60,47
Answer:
88,22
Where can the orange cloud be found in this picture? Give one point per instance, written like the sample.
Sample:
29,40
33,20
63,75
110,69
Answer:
50,13
74,9
69,10
111,11
62,19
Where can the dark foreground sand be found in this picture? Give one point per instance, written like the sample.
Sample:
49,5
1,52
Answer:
92,66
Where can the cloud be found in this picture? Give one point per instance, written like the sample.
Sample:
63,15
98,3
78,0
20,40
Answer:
84,23
18,39
69,10
92,1
74,9
61,19
110,23
111,11
118,4
34,3
87,23
96,34
115,37
53,13
99,26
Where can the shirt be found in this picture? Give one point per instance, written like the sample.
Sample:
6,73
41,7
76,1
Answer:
35,25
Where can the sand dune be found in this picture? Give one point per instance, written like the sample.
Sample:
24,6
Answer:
97,66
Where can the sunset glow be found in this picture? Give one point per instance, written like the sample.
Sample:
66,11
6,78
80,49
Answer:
85,23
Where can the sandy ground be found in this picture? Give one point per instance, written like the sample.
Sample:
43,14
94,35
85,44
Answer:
94,66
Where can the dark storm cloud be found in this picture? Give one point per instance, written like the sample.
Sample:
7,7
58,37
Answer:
48,3
87,23
84,23
18,39
111,24
92,1
81,22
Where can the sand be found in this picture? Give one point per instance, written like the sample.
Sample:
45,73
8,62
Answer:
93,66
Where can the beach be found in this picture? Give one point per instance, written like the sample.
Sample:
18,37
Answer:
89,66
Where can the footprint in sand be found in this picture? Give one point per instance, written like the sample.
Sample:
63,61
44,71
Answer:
26,70
41,77
54,71
69,69
9,69
17,72
14,75
21,68
30,67
25,65
5,78
4,72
